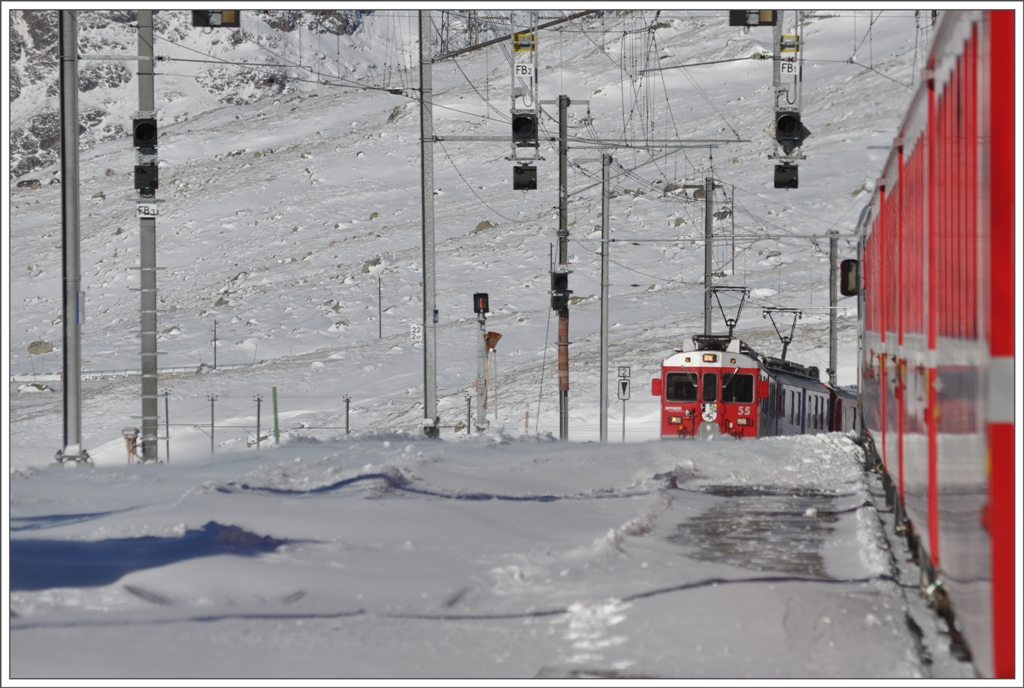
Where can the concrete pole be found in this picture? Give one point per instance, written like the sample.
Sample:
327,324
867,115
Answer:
430,421
833,250
147,260
606,161
709,186
563,259
72,305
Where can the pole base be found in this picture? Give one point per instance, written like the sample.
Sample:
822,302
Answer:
72,453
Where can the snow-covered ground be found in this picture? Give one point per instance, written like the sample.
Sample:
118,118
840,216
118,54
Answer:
502,556
489,558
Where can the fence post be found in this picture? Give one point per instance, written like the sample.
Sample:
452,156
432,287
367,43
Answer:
259,399
277,432
347,399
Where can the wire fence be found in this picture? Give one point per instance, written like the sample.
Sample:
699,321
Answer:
260,419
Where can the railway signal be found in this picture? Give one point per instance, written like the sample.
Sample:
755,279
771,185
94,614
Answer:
560,289
524,129
789,131
787,176
748,18
144,132
225,19
524,178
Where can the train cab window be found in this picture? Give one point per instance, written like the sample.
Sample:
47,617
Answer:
680,387
709,388
738,388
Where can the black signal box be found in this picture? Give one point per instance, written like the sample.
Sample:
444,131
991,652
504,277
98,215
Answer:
786,176
753,18
146,178
524,178
229,19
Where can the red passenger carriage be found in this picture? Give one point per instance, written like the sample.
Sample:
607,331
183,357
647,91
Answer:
937,327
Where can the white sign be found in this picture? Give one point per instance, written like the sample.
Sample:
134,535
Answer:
624,389
146,210
623,371
416,331
524,69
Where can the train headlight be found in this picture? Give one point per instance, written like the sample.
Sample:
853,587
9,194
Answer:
742,421
710,358
675,420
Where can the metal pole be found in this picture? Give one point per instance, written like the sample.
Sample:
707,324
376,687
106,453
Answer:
709,186
732,215
347,400
469,415
481,373
70,243
212,398
259,399
430,421
623,421
147,258
167,425
215,344
606,161
380,312
833,250
563,259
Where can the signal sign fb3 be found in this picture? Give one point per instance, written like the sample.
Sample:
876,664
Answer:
146,210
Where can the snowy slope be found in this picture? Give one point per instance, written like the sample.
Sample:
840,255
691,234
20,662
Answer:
279,217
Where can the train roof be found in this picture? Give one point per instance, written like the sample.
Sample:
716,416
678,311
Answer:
725,343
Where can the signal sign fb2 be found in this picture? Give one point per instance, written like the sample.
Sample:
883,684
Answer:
524,69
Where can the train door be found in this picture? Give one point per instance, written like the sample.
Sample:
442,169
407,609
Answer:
709,408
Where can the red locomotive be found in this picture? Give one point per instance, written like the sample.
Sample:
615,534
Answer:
937,329
723,387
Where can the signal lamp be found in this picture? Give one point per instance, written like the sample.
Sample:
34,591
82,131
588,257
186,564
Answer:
524,129
144,132
480,303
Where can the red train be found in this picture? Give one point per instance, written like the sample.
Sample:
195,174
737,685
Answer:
723,387
936,299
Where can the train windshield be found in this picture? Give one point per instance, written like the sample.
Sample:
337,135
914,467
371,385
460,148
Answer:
680,387
738,389
709,388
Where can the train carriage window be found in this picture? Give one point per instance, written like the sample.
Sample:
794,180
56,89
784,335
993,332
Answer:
709,388
680,387
738,388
